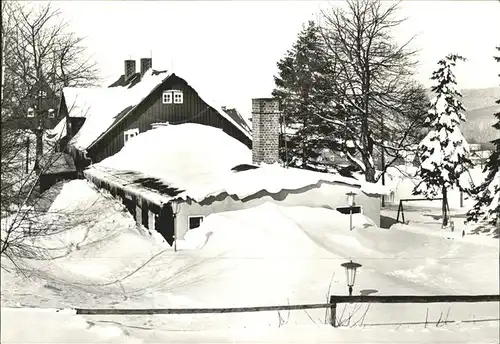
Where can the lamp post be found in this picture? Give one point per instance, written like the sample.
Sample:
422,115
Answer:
351,202
350,273
175,210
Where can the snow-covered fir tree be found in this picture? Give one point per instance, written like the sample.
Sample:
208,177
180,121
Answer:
487,195
303,91
444,152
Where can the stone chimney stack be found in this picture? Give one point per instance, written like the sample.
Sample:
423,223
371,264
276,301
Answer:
129,69
146,63
265,130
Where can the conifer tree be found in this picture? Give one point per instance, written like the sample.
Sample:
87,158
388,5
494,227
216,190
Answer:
487,207
303,91
444,152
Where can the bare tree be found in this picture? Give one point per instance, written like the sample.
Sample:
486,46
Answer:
40,54
372,78
39,57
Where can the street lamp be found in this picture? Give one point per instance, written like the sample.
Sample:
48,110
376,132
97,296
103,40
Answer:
351,202
175,204
350,273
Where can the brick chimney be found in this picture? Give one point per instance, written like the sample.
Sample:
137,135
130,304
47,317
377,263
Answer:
265,130
146,63
129,69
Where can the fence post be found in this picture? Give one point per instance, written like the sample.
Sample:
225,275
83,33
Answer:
333,311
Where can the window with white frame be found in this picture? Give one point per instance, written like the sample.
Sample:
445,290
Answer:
195,221
167,97
178,97
173,96
127,135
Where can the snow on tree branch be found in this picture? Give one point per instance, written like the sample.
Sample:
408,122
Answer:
444,152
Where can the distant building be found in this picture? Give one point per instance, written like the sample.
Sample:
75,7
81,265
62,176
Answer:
480,152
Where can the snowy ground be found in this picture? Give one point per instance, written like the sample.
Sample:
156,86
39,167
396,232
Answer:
262,256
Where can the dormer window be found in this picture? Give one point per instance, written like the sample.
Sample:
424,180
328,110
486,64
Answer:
128,134
172,96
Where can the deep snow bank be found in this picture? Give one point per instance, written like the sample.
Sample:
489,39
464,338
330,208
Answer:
34,326
260,256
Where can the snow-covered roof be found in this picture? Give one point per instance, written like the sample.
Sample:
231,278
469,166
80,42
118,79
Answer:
105,107
101,106
184,161
205,170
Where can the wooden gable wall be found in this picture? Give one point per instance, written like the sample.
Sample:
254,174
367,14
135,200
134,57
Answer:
152,110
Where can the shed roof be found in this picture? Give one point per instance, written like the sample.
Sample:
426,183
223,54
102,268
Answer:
57,163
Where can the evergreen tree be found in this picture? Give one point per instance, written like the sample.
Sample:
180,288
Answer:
444,151
303,91
487,207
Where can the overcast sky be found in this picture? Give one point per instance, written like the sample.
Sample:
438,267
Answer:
229,49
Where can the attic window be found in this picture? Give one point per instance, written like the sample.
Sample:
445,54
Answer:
173,96
178,97
127,135
167,97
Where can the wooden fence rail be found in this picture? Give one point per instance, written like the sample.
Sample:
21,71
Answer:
413,298
137,311
334,300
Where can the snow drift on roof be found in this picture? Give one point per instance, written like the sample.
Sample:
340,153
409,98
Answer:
203,166
183,154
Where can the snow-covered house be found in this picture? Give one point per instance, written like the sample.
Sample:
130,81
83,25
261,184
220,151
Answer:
193,181
98,122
